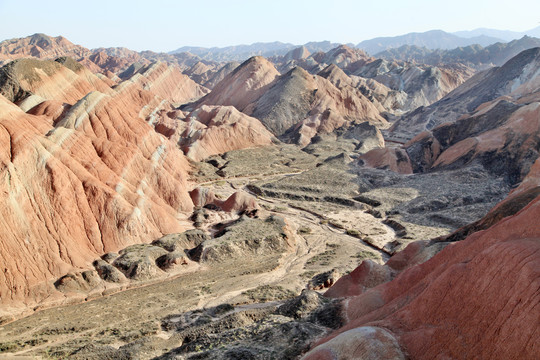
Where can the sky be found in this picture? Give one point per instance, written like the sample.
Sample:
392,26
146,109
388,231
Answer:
165,25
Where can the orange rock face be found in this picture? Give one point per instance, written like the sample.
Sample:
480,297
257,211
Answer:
212,130
78,181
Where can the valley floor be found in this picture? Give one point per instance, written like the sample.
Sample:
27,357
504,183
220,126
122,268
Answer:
333,235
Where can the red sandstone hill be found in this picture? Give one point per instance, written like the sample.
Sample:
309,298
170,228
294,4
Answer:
47,79
169,83
40,46
86,169
209,75
81,177
100,62
244,85
466,302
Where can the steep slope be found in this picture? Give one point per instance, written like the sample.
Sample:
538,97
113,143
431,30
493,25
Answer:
220,74
431,314
421,84
210,75
97,180
384,98
343,56
100,62
468,299
503,137
304,105
483,87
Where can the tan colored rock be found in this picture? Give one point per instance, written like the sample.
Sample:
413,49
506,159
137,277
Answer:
369,343
237,202
394,159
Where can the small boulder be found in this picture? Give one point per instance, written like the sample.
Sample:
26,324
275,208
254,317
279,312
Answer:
108,272
172,260
324,280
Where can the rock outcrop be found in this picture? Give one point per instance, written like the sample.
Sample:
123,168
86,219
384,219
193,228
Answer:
305,105
398,87
247,237
500,135
209,75
238,202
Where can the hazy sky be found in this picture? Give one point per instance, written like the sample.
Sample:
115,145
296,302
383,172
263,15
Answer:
164,25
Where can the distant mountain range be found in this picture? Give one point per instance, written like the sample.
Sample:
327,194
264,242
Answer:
475,56
242,52
433,39
505,35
